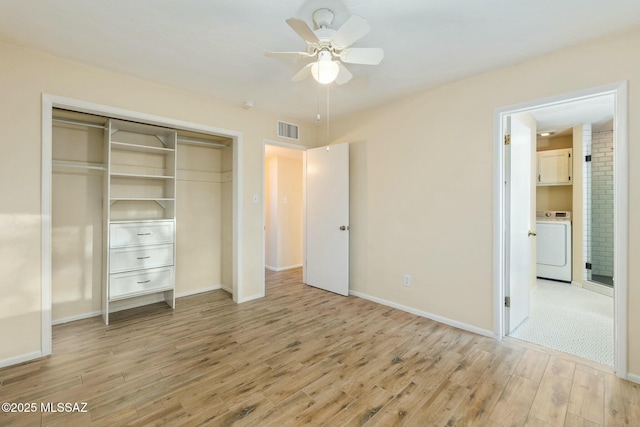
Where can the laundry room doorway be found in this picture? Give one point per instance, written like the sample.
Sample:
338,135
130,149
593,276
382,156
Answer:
543,242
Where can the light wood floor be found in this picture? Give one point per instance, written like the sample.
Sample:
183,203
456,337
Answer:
302,356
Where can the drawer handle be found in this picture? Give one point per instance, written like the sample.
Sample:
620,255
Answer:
144,234
146,281
144,257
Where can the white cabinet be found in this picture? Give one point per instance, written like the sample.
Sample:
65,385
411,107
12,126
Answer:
555,167
139,214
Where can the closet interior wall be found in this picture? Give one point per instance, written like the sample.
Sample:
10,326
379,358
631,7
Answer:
77,244
203,218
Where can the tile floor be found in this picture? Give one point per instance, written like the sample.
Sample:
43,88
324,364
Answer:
570,319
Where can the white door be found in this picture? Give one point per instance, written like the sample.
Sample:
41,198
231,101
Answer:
521,206
327,218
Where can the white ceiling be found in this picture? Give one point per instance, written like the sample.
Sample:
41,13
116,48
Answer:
598,111
217,47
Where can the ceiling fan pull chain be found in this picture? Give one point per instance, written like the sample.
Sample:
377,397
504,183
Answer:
327,137
319,93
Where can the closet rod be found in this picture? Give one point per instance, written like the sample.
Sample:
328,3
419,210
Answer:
79,165
186,140
200,142
76,122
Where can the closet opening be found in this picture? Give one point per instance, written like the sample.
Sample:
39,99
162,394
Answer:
163,172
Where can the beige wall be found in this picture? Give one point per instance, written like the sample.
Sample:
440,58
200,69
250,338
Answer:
422,182
283,212
554,198
25,75
554,142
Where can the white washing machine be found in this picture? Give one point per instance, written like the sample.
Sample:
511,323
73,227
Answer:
554,245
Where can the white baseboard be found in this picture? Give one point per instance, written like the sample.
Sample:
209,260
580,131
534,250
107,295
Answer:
98,313
251,298
20,359
288,267
446,321
633,378
198,291
226,289
76,317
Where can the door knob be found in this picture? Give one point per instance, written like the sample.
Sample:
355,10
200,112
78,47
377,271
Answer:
344,227
532,233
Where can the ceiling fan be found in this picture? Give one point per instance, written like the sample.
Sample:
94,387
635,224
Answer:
330,48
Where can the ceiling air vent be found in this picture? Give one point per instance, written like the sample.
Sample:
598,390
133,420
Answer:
288,130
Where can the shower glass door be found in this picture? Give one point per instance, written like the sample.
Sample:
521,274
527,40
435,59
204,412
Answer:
598,174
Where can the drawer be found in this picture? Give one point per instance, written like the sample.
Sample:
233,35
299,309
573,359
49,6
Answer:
140,257
140,233
123,285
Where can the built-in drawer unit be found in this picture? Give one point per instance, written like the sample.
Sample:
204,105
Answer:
140,215
140,233
124,285
140,257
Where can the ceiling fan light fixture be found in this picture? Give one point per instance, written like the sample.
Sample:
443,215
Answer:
325,70
330,48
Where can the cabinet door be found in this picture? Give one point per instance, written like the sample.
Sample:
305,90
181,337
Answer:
555,167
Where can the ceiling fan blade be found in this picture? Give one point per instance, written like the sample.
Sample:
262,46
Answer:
304,30
303,73
288,55
352,30
344,75
362,55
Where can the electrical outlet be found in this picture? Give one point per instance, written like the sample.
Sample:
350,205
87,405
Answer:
407,280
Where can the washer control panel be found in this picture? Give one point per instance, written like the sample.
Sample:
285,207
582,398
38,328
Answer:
553,214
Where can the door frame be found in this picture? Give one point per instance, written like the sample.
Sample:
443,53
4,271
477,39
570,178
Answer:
49,102
291,146
621,207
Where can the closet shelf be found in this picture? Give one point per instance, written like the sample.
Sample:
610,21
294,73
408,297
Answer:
137,175
79,165
125,146
141,221
142,199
